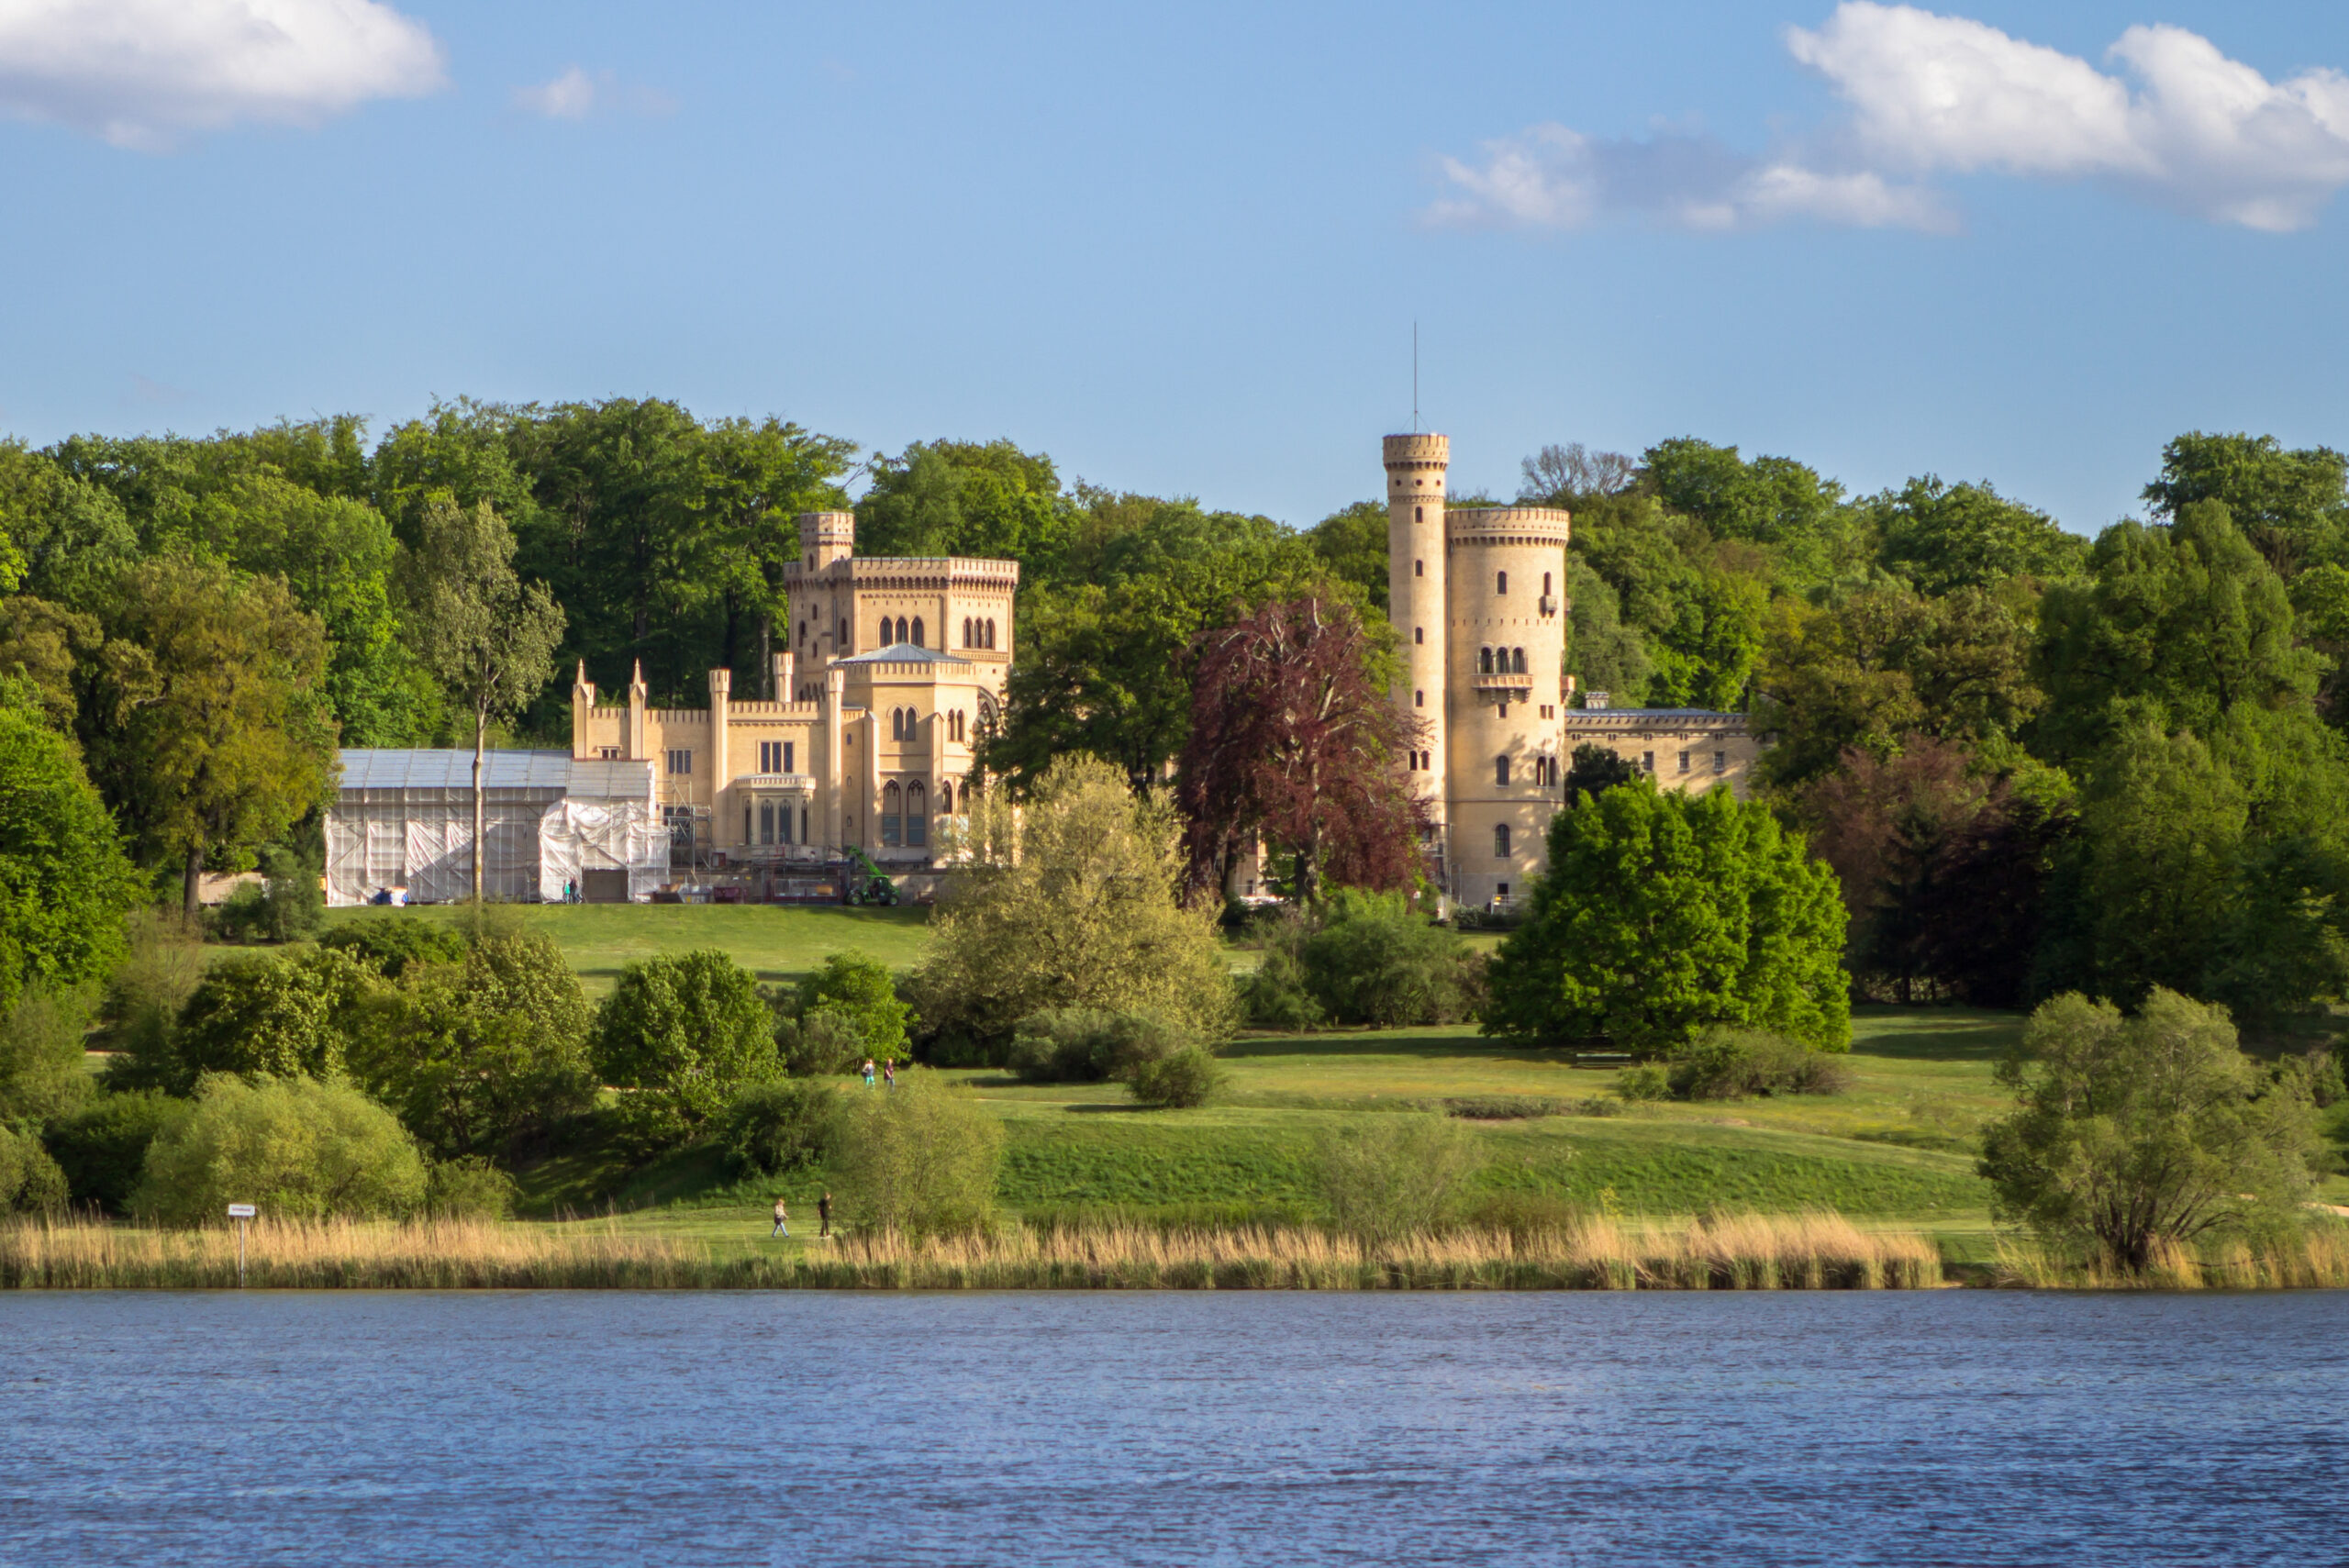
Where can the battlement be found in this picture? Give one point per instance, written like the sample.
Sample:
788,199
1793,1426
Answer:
1506,524
1417,452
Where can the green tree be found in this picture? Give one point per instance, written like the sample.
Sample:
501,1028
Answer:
684,1033
1085,915
209,729
1352,544
488,636
919,1161
266,1015
1946,537
2187,617
757,477
294,1147
965,498
102,1148
42,1075
64,882
1770,500
1370,959
859,991
2134,1132
1604,654
1664,914
1596,768
2292,505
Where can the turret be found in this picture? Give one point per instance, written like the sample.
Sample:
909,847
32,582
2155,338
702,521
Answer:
1416,468
824,538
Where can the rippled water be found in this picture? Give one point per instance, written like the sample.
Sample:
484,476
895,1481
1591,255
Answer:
1956,1426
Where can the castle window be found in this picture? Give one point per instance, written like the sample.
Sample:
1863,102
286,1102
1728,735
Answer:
1419,569
1419,634
1517,662
1484,660
893,815
1720,762
1501,770
681,762
945,799
966,631
746,827
1419,699
608,753
1545,584
803,824
844,634
918,633
917,817
1647,761
1500,585
1418,515
903,635
990,631
1500,841
1684,762
766,822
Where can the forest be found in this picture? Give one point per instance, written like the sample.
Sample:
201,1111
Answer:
2036,762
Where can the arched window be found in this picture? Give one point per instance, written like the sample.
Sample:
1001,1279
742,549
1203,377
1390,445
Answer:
919,634
881,638
1419,569
1517,662
1501,770
803,634
917,817
1500,583
945,798
990,631
843,638
1419,634
893,815
966,631
1419,699
1545,584
1418,514
1484,660
1500,841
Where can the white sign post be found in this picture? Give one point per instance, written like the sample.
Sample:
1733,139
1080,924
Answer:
240,1212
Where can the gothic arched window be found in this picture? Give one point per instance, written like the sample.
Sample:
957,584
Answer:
1501,770
1517,662
1484,660
1500,841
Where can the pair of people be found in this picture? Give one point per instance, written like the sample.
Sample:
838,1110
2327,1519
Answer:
888,1071
823,1218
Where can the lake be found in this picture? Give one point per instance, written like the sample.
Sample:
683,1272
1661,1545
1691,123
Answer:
1952,1426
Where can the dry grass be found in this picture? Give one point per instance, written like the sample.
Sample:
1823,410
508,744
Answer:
2317,1259
1745,1252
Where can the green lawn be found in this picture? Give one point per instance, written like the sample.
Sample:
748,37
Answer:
773,941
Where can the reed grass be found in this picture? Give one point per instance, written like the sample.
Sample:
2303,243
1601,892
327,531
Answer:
2315,1258
1810,1252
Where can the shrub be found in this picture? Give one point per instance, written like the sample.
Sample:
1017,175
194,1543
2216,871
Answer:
1275,996
139,1020
1503,1108
1397,1176
1176,1080
1371,960
1089,1045
1729,1064
288,904
30,1181
468,1187
773,1127
64,882
861,993
297,1147
685,1033
102,1149
824,1042
268,1015
393,945
921,1161
42,1075
1644,1080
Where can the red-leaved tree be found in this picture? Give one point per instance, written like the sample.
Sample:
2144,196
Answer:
1295,740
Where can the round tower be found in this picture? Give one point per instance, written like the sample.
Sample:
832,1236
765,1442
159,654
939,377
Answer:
1415,466
1506,587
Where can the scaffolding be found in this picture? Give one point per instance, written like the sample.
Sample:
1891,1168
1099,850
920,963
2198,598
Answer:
552,828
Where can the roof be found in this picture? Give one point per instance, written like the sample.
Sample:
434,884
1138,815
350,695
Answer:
1574,713
903,653
551,773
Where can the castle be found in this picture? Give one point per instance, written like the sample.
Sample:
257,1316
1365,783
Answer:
892,671
1477,595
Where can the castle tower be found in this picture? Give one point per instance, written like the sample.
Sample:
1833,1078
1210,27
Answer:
1504,588
826,537
1416,467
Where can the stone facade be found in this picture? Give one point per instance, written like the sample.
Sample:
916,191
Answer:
893,667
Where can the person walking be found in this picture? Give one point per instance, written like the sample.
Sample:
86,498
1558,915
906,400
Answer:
868,1072
781,1220
889,1071
824,1216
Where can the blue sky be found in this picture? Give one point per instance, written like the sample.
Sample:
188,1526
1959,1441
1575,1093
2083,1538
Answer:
1183,253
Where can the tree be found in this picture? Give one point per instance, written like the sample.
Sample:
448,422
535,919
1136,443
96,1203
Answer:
1771,500
920,1161
2134,1132
2187,617
2292,505
862,994
1370,959
685,1031
1603,654
1594,768
294,1147
489,637
965,498
756,479
484,1056
1353,542
1293,738
1946,537
1087,913
208,729
41,1075
1563,475
1664,914
263,1016
64,882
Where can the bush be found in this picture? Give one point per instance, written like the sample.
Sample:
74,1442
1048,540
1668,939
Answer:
102,1149
1371,960
774,1128
1503,1108
921,1161
860,991
392,945
269,1014
1644,1080
287,905
30,1181
1176,1080
1275,996
1731,1064
1089,1045
1397,1176
296,1148
42,1075
468,1187
821,1044
483,1057
139,1020
685,1033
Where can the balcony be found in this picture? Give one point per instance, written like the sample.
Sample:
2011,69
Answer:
1549,604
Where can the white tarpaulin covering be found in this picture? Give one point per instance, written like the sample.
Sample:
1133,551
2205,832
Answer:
404,819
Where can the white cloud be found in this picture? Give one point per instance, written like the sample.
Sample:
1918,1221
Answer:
144,73
576,94
2178,122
